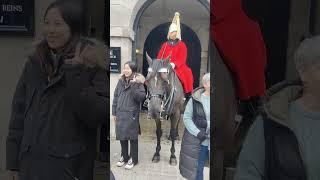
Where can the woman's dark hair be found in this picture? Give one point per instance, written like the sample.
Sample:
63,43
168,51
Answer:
71,12
132,66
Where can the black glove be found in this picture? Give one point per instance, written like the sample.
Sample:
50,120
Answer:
202,135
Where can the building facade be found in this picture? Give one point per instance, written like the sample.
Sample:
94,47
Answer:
140,26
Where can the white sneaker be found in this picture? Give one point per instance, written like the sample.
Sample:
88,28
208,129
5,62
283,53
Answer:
121,162
129,165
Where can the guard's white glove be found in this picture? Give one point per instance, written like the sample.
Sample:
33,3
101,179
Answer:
173,65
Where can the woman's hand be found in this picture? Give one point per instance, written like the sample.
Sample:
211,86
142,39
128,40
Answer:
138,79
85,57
114,118
202,135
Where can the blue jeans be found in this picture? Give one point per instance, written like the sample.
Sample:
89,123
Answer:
203,156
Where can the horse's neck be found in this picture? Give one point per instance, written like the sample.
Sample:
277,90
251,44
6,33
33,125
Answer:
177,81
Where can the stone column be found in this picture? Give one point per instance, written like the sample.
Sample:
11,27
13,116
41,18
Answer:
298,28
204,65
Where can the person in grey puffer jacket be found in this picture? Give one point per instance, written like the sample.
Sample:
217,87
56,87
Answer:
282,143
195,142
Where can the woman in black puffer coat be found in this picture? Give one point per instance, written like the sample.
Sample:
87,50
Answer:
128,96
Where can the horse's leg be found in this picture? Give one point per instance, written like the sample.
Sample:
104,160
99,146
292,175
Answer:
173,133
178,121
156,156
176,130
182,108
177,124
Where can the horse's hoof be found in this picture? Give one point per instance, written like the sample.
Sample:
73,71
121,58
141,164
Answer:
178,137
173,161
155,159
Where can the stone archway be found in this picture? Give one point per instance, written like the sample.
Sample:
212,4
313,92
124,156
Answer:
149,17
158,35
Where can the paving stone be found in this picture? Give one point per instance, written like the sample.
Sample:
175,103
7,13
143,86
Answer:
146,170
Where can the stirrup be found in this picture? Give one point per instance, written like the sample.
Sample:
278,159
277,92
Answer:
162,118
145,103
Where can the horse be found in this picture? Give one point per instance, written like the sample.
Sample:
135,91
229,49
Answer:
165,98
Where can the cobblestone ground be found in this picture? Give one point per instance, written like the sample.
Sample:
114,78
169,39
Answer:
146,170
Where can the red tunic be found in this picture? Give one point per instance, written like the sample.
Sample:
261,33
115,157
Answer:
240,42
179,58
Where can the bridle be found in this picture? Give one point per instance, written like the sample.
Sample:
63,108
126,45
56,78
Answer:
165,98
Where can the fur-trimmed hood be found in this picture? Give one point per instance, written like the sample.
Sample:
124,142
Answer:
278,99
91,52
138,77
196,94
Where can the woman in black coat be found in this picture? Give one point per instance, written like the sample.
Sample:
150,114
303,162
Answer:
128,96
60,100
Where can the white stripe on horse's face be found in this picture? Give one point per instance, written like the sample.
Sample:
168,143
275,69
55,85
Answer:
163,70
156,79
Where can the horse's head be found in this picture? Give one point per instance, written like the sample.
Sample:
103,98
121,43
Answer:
158,84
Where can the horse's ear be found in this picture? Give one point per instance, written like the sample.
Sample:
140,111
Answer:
149,59
167,60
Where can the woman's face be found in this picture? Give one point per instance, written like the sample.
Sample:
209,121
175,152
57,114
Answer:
127,71
207,86
312,76
56,31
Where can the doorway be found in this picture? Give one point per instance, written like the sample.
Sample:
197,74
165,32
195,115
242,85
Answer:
158,36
